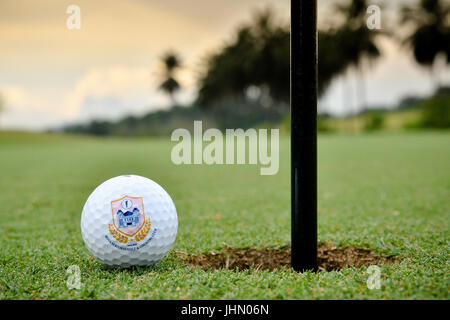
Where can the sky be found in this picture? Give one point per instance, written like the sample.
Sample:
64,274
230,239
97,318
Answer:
51,76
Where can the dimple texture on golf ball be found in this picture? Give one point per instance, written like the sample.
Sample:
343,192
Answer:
99,225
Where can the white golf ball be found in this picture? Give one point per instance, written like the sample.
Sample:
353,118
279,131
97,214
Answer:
129,220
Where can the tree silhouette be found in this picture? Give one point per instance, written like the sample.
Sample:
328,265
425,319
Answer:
258,56
431,35
170,85
356,42
331,60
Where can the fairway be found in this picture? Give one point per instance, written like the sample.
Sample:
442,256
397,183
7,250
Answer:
386,192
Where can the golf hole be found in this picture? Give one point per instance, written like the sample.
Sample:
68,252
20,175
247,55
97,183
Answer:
330,258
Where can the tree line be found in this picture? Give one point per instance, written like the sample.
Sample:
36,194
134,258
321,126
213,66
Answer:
246,82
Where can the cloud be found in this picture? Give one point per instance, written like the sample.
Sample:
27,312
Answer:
113,92
19,98
25,108
108,93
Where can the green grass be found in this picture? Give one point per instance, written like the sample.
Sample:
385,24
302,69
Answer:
388,192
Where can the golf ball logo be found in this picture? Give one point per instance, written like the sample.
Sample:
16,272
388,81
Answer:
130,224
127,203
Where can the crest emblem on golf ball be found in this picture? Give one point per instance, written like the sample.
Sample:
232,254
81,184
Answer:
129,221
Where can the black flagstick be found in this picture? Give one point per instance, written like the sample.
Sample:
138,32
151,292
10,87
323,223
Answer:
304,134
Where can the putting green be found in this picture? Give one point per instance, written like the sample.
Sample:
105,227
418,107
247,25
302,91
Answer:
387,192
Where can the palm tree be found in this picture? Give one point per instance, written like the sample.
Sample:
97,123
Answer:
431,35
170,85
357,42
